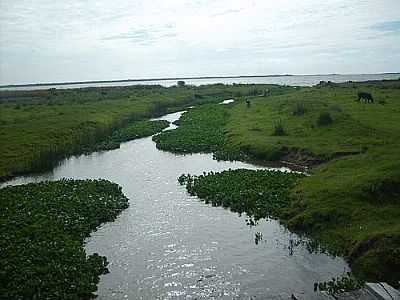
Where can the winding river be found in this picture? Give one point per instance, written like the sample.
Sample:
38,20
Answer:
169,245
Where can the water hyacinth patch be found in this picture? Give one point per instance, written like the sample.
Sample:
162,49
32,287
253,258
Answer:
42,231
259,193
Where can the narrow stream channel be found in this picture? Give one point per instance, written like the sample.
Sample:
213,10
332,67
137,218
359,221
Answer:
168,245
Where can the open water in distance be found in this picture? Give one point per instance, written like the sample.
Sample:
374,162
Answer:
295,80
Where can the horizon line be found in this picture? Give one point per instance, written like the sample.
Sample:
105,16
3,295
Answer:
180,78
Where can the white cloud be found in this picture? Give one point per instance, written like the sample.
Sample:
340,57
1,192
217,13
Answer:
86,40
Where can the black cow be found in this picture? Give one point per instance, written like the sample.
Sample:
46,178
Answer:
367,97
248,103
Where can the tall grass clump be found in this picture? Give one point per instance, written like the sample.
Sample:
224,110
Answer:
299,109
279,129
324,119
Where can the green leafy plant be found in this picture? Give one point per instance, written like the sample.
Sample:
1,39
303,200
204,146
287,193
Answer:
42,231
340,284
259,193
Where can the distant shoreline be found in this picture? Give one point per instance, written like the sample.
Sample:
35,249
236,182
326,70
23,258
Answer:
179,78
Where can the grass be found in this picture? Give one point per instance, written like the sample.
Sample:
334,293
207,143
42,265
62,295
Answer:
132,131
351,200
42,229
355,127
38,128
352,204
200,130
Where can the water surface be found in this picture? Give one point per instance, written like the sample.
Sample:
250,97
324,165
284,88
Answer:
297,80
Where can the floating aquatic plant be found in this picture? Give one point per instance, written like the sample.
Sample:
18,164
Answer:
42,230
259,193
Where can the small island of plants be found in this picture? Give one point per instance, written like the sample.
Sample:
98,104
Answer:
259,193
42,231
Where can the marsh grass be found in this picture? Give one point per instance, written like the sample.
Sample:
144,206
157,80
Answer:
40,127
200,130
279,129
299,109
324,119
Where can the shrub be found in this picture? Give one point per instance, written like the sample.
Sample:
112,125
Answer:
324,119
336,108
279,130
299,109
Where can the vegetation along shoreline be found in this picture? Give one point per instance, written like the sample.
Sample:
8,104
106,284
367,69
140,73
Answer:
350,200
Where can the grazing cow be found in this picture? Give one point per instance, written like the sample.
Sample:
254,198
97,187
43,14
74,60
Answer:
248,103
367,97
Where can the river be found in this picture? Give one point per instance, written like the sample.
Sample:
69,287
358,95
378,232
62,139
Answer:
169,245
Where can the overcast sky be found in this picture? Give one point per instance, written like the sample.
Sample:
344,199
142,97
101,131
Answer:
74,40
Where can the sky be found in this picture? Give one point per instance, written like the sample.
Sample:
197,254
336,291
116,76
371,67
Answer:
78,40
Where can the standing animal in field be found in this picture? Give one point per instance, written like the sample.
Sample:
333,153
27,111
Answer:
248,103
367,97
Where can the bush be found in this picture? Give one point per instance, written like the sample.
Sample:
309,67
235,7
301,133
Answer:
279,129
299,109
324,119
383,102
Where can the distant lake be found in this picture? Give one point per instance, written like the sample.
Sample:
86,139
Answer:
298,80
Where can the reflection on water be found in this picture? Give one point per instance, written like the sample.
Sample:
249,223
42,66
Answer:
169,245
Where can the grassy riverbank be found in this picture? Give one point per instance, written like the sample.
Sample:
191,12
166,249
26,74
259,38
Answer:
42,228
38,128
198,131
351,200
132,131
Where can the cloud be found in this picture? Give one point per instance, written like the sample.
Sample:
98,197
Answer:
386,26
227,12
70,40
144,36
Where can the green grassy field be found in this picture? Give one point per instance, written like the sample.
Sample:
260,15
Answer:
38,128
351,201
356,126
